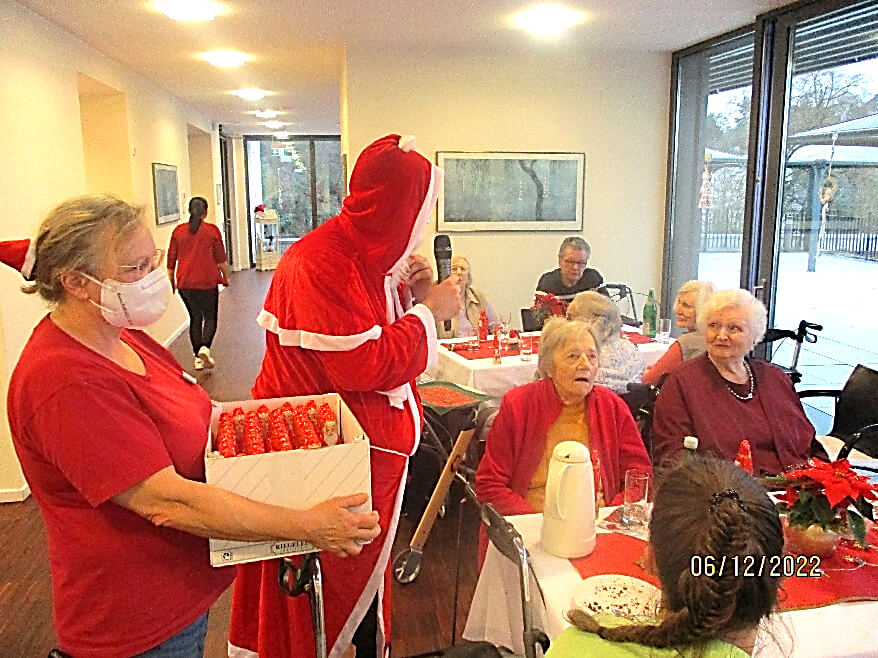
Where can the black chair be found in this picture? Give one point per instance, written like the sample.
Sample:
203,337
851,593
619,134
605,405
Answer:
620,292
528,321
640,399
856,411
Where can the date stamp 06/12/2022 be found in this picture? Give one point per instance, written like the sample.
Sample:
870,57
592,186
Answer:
756,566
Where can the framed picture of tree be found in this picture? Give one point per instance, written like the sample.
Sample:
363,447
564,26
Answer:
506,191
165,193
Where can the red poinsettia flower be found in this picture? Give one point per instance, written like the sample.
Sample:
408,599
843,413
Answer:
790,496
547,304
841,484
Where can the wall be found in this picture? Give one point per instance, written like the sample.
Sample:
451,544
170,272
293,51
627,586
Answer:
42,157
104,123
201,175
612,107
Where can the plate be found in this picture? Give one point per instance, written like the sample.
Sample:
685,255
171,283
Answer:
615,594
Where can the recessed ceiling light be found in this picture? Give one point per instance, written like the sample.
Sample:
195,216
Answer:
250,94
189,10
548,21
281,135
225,58
265,114
274,125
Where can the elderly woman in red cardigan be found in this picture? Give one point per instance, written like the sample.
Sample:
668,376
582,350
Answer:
724,397
564,405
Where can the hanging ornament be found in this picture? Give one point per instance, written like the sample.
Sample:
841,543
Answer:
705,196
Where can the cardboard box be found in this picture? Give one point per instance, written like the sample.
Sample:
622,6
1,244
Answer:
294,478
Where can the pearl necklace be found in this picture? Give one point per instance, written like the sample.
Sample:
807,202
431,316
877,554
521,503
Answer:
749,395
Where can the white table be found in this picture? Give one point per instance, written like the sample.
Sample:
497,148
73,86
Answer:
845,629
495,380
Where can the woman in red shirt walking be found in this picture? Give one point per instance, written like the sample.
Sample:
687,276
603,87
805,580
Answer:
197,254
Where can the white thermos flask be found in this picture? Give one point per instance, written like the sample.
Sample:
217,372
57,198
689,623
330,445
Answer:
568,516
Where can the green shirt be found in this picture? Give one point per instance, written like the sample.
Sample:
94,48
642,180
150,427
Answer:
574,643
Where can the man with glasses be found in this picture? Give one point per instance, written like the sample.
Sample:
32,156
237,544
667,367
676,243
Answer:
572,275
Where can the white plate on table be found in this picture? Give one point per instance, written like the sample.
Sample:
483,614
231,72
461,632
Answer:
615,594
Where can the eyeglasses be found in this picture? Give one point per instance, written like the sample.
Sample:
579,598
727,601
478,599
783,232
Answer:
574,263
458,269
145,265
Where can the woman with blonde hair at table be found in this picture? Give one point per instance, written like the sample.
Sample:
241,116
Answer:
466,322
620,362
565,405
704,509
691,298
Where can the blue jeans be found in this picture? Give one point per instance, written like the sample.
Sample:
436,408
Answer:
188,643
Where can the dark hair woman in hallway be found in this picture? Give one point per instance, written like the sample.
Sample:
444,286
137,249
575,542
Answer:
196,264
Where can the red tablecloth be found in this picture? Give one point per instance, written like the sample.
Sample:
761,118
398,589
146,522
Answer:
839,582
636,338
486,349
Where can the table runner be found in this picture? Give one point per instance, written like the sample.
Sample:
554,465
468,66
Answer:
638,338
486,349
615,553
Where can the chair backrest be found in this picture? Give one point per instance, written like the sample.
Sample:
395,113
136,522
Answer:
857,404
640,399
528,321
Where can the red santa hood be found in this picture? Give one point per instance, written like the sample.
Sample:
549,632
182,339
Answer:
392,192
19,255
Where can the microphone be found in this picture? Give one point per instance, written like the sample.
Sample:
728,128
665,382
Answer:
442,254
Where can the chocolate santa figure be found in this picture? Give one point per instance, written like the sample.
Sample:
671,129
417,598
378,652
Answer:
351,310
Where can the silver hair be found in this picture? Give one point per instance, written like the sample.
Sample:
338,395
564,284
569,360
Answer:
575,243
737,298
599,312
557,332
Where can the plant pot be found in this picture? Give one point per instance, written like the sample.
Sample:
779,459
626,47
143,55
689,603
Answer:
812,540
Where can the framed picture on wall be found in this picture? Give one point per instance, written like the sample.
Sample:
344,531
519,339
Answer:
503,191
166,193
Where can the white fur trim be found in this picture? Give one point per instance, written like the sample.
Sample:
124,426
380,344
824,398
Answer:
30,259
426,317
311,341
372,589
241,652
396,396
407,143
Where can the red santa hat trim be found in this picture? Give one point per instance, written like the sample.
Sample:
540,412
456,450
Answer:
20,255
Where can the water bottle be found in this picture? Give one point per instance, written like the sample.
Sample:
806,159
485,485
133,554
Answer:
650,314
690,446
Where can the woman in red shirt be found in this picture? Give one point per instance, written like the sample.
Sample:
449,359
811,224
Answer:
197,254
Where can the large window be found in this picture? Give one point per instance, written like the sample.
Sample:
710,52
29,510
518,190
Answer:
300,178
774,177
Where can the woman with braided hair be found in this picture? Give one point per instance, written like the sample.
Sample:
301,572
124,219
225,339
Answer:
703,507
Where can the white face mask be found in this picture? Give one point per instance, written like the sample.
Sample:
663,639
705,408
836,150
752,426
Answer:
134,305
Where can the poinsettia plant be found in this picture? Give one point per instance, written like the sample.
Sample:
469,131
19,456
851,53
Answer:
831,495
546,305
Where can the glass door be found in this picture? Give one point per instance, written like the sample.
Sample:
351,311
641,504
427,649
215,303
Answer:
710,126
819,246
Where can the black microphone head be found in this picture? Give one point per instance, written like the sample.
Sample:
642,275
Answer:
442,253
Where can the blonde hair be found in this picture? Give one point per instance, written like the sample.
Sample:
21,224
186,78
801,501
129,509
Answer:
77,235
557,332
599,312
703,291
735,298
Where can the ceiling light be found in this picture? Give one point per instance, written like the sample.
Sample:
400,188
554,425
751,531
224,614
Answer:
265,114
189,10
548,21
250,94
274,125
281,135
225,57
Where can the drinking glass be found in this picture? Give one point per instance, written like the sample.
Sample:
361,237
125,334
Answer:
634,507
526,347
474,343
505,320
663,331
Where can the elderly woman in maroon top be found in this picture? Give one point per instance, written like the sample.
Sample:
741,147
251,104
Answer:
725,397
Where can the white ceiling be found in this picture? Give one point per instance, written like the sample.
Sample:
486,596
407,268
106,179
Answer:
298,47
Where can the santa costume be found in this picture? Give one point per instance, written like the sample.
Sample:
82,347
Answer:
339,318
